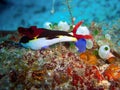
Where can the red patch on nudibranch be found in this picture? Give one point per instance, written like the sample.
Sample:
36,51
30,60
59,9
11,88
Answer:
31,32
80,36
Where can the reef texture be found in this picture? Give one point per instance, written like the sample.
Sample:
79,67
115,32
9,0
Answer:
59,67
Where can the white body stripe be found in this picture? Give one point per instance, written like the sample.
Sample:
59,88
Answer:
37,44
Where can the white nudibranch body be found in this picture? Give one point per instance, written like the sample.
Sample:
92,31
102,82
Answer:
104,51
40,43
82,30
63,26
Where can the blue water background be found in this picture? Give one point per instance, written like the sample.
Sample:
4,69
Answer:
15,13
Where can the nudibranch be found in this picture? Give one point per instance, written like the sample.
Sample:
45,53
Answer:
83,35
38,38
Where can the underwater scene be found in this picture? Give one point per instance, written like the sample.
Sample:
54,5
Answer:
59,44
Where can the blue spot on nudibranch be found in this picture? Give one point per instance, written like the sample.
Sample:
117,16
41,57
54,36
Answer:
81,45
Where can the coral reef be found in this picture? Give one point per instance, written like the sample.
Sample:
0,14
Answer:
59,67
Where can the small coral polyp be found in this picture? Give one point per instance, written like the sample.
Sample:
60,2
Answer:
104,51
